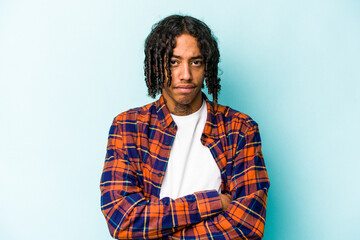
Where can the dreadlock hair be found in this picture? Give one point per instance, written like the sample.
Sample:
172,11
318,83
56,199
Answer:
159,47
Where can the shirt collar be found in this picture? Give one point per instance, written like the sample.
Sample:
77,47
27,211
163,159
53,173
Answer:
163,113
165,119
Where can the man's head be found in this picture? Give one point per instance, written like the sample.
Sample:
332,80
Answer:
162,41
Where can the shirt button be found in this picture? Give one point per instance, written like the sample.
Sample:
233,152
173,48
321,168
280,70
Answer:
160,174
167,143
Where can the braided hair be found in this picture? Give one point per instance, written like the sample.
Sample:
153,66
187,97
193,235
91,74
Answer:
159,47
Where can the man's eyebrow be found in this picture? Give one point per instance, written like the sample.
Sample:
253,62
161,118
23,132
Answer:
192,58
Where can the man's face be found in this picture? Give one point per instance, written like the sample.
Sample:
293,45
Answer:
187,73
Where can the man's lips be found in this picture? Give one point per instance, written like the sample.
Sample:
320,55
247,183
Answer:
185,88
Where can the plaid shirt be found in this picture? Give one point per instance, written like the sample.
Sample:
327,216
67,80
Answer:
138,150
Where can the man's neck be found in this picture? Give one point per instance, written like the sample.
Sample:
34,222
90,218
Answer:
179,109
182,109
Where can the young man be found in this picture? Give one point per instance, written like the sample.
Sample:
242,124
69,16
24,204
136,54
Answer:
183,167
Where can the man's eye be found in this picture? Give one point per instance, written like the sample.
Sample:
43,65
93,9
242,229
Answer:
172,62
197,63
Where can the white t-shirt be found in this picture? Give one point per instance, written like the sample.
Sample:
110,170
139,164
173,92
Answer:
191,166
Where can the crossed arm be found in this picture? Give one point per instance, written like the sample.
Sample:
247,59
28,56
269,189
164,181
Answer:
204,214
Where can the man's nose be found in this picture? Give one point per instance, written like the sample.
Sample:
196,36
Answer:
185,72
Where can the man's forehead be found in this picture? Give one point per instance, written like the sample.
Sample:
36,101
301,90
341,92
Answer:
186,46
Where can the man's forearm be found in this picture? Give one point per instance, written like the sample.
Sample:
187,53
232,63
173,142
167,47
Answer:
243,219
133,216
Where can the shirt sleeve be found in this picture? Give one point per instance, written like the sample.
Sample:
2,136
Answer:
132,216
245,216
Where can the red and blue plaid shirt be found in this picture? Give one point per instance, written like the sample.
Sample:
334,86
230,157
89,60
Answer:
138,150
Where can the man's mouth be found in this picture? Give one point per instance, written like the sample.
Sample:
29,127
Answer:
185,88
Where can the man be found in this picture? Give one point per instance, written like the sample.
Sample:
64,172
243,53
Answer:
183,167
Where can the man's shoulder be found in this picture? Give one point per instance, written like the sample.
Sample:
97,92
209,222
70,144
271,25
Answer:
138,113
232,116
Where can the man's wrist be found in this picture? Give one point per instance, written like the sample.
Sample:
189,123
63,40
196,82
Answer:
225,200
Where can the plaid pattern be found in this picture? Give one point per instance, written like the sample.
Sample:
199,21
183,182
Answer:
138,149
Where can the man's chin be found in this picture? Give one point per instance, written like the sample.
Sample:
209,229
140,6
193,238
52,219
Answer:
185,100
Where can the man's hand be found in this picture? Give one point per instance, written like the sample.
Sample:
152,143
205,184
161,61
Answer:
225,200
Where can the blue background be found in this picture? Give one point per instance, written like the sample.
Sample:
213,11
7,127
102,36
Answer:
68,67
